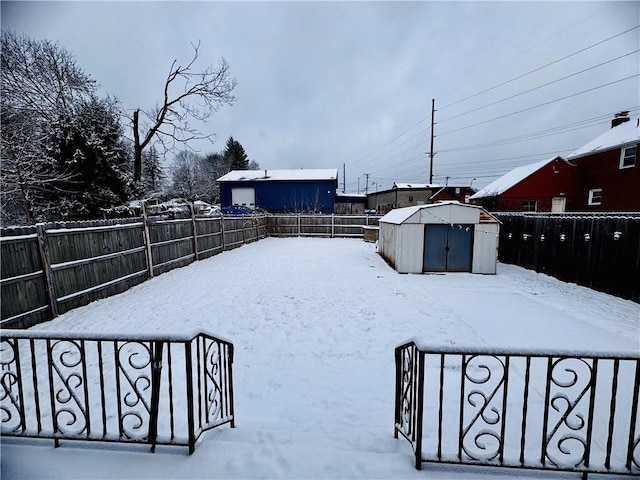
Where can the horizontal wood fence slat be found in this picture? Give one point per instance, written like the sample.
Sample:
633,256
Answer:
598,251
52,268
330,226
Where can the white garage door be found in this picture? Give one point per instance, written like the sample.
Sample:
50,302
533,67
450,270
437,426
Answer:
243,197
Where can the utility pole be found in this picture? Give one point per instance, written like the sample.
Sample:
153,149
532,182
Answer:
344,177
366,186
433,111
358,184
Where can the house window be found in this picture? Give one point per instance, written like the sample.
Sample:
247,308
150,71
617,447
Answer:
411,198
595,196
530,206
628,157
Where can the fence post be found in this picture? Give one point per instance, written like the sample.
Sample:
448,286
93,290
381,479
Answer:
147,241
46,268
332,225
398,404
156,375
298,223
420,408
190,414
195,231
222,231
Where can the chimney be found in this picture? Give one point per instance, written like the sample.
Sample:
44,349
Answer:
265,173
619,118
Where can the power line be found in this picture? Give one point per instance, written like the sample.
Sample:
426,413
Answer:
520,54
392,140
539,87
538,134
541,104
540,68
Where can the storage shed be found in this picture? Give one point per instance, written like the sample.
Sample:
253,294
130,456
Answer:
440,237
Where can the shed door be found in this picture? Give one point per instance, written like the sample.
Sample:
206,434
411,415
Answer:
459,248
435,244
448,248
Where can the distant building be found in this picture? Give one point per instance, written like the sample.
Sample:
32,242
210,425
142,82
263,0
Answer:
603,175
547,186
280,191
413,194
350,203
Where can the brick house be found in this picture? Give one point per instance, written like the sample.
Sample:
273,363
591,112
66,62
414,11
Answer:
547,186
608,169
603,175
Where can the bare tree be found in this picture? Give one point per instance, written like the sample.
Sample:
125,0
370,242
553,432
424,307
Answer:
188,95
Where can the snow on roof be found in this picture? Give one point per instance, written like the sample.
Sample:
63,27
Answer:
510,179
352,195
271,175
399,215
415,185
624,134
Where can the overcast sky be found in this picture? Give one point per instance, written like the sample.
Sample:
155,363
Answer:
322,84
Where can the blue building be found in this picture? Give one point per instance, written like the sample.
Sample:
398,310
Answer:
280,191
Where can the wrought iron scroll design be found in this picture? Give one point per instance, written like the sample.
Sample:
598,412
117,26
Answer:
484,377
68,387
213,381
60,387
11,405
562,411
568,405
406,397
134,388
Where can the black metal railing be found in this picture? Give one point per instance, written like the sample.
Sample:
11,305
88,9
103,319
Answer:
550,410
137,389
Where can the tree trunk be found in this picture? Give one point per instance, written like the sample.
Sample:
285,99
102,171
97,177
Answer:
137,150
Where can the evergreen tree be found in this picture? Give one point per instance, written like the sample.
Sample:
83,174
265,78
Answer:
153,176
235,155
88,144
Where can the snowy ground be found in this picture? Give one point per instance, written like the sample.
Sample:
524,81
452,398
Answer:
314,323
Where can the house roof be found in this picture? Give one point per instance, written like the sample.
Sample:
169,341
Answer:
626,133
400,215
510,179
280,175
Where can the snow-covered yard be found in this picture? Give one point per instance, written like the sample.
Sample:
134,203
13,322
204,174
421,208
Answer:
314,323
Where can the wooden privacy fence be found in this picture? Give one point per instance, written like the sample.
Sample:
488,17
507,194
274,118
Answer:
51,268
600,251
531,409
313,225
135,389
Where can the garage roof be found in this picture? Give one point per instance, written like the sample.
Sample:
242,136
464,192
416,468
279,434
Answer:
280,175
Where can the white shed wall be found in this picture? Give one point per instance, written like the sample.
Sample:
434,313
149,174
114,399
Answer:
387,242
485,248
447,214
410,248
